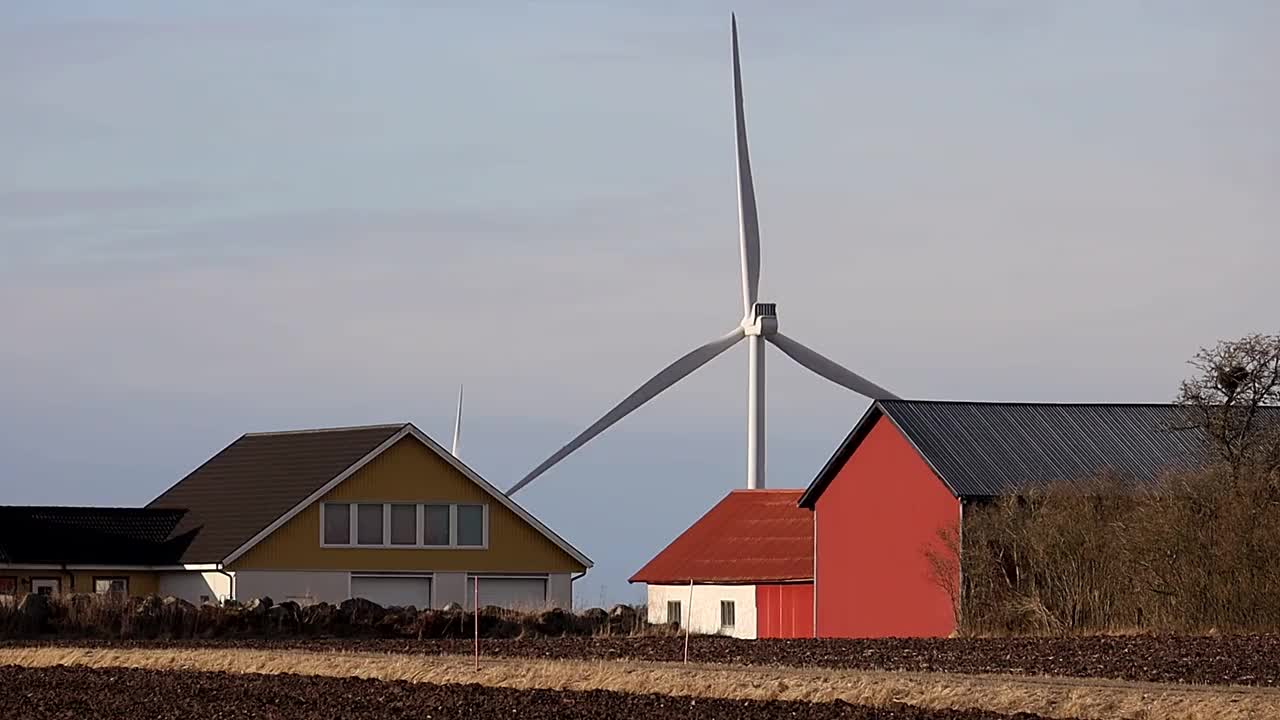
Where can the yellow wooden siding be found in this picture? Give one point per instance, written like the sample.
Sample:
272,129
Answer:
81,581
409,472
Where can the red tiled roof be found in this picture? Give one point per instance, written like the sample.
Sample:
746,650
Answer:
750,536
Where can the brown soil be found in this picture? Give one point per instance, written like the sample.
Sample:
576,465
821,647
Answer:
73,692
1216,660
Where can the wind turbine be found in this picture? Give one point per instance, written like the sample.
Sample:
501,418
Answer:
759,325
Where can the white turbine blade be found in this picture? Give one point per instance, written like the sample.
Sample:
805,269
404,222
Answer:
829,369
669,376
457,424
748,224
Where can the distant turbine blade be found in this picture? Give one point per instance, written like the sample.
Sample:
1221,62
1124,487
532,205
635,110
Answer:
457,424
748,223
829,369
669,376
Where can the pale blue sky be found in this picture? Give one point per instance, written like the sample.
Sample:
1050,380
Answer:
218,220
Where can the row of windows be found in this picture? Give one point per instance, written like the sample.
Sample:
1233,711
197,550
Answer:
405,525
727,612
52,586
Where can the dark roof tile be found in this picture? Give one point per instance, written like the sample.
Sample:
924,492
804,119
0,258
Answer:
90,535
277,470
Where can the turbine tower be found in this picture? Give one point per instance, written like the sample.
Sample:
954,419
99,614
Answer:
759,325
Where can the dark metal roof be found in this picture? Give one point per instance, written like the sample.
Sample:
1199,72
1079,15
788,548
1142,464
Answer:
258,478
988,449
90,536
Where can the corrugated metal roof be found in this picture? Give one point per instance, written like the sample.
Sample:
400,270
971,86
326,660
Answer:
750,536
988,449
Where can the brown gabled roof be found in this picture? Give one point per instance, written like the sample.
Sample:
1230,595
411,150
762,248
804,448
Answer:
257,479
751,536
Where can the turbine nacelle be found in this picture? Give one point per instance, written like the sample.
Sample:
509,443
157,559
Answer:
763,320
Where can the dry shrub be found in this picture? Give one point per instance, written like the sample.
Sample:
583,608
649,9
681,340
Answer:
153,617
1193,554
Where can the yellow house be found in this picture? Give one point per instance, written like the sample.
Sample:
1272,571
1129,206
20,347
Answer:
380,512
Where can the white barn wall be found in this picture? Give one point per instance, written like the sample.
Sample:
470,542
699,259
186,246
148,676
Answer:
705,618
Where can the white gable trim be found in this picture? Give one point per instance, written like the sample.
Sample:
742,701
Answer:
410,431
500,496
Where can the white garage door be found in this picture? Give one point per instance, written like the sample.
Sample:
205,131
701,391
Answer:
513,593
393,591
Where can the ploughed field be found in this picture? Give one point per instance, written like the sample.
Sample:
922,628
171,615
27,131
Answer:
1212,660
110,693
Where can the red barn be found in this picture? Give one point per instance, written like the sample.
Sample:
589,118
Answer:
744,569
849,557
909,467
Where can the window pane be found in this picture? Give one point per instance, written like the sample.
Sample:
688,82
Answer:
471,525
404,524
673,612
436,518
369,524
110,585
337,524
726,613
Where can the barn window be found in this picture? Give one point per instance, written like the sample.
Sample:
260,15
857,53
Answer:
673,612
337,524
404,524
726,614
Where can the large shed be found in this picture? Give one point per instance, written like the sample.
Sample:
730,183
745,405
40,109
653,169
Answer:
909,468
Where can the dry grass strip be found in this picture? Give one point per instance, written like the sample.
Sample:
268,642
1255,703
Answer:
1052,697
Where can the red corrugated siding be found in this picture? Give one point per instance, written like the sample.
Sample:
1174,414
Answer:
784,611
875,520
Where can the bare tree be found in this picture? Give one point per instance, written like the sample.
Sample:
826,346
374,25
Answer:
943,558
1235,379
1191,552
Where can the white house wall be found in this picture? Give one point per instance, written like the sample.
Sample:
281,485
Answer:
704,615
455,588
449,588
560,591
303,587
307,587
192,586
